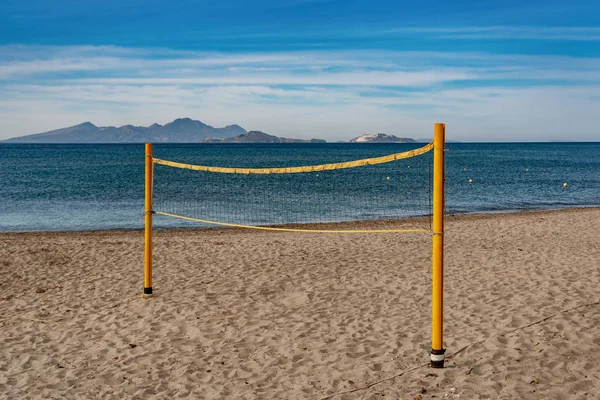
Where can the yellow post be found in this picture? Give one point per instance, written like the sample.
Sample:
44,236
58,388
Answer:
148,223
437,292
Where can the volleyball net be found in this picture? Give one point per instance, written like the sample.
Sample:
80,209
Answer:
389,193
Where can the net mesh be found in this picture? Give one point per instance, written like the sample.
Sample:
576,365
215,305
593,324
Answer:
390,193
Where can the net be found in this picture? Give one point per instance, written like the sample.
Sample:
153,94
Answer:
389,193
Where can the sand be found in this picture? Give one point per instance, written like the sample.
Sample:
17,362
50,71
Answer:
263,315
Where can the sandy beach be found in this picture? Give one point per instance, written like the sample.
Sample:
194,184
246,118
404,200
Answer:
241,314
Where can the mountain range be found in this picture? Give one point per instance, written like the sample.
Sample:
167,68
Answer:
181,130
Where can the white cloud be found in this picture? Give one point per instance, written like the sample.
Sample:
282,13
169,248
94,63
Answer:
376,78
506,32
332,95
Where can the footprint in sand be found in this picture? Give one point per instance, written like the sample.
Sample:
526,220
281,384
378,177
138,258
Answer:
295,298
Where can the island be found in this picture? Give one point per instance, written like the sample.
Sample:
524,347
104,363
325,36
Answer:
381,138
259,137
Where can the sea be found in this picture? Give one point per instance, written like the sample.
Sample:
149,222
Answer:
80,187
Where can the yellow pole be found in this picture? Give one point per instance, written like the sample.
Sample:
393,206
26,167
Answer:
148,223
437,292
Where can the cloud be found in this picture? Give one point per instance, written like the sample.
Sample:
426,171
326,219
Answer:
328,94
505,32
376,78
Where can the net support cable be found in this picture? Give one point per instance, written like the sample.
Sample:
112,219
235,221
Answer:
275,228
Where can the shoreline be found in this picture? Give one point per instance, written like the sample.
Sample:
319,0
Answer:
358,223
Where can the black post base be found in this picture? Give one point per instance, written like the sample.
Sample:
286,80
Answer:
437,358
147,290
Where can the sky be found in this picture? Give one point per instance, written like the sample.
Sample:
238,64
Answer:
492,70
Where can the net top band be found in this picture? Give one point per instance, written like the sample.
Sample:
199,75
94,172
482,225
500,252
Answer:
301,169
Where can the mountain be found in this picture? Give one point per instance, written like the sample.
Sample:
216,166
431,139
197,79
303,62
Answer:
259,137
182,130
381,138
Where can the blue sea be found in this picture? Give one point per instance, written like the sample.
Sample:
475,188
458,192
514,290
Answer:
95,187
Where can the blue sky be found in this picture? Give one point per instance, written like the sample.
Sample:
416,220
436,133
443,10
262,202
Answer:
492,70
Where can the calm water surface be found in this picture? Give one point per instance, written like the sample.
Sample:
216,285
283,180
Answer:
89,187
